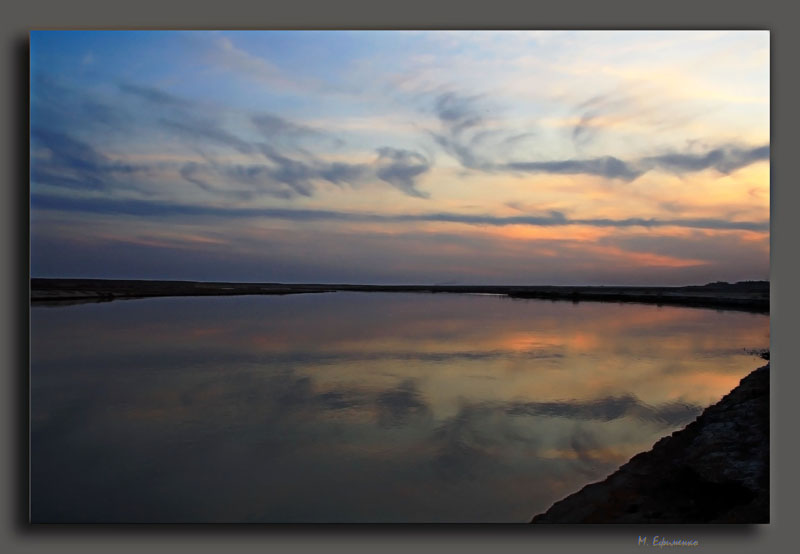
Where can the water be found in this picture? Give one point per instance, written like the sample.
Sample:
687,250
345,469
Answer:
359,407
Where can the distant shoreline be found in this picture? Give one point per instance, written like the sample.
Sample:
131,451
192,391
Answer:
750,296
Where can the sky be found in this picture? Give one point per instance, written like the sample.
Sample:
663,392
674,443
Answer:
400,157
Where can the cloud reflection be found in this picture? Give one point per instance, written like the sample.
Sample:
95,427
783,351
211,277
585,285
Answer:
401,405
608,409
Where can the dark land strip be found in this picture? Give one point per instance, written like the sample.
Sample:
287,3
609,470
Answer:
750,296
715,470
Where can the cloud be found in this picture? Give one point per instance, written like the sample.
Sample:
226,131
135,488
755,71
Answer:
400,168
512,139
227,56
189,172
293,174
291,169
691,223
724,159
607,166
194,173
457,115
629,102
287,175
554,218
584,131
272,126
339,173
193,129
258,179
194,124
281,130
155,96
103,117
299,174
253,67
463,153
187,119
60,108
61,160
463,132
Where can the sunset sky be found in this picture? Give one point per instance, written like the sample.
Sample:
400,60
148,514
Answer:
530,157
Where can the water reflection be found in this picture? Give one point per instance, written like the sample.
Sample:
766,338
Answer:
359,407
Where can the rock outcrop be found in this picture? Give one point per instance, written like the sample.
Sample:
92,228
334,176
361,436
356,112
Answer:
715,470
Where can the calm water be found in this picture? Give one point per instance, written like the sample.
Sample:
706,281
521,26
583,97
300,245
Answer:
359,406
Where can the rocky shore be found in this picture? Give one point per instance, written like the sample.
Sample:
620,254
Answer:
716,470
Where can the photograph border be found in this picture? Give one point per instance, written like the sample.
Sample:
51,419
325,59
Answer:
20,18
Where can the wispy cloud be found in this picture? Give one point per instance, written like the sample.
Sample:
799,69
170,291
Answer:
62,160
227,55
157,209
608,167
154,95
631,105
193,129
221,52
584,131
283,158
462,127
464,134
277,129
201,174
401,168
724,159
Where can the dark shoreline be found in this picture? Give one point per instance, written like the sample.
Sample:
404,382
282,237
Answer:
714,470
751,296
